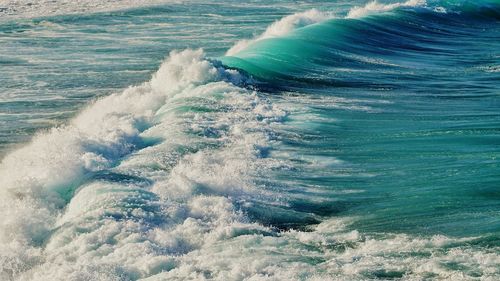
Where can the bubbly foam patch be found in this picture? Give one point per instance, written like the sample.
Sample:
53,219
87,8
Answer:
130,183
331,253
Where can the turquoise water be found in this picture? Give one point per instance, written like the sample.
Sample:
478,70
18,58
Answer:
331,140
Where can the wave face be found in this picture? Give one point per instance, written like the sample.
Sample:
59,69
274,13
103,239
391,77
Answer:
345,142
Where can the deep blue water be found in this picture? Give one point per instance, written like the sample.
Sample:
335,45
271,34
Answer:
328,140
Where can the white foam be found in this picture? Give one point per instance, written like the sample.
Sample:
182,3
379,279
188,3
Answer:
490,68
332,253
107,230
283,27
58,222
375,7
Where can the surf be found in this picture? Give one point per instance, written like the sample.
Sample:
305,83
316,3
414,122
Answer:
279,160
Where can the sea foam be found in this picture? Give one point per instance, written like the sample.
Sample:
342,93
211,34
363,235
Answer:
94,199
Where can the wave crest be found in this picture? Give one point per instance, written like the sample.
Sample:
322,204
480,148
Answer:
283,27
375,7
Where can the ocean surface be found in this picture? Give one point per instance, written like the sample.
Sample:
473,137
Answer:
249,140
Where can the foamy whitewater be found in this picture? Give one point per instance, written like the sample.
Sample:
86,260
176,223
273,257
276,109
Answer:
271,140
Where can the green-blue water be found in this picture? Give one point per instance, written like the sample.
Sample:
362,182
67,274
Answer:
328,140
